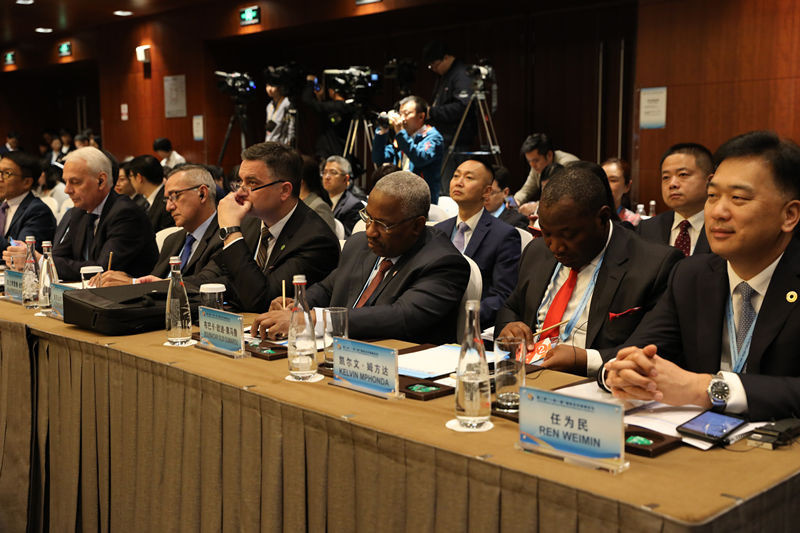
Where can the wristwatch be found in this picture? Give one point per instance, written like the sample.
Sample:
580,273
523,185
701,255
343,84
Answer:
718,392
224,232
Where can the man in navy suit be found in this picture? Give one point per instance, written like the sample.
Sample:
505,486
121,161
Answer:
335,179
725,334
21,213
490,242
685,170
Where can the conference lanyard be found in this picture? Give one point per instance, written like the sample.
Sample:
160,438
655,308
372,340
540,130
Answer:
738,355
581,305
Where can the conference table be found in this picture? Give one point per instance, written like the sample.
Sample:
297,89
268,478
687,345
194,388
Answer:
125,434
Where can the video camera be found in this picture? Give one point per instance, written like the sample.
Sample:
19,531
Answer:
481,72
239,85
357,84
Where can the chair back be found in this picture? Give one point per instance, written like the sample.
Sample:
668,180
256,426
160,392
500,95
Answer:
162,235
525,237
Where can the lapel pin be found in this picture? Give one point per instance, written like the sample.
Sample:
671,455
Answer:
283,246
791,297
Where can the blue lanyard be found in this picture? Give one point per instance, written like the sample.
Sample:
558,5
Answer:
581,305
738,358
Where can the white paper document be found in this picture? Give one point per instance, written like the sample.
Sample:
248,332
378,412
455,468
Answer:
433,362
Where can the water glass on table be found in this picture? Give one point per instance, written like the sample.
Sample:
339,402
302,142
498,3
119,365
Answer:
335,325
509,372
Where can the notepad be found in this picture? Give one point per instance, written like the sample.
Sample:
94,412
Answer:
433,362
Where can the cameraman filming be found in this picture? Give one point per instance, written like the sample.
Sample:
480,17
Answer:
334,114
418,147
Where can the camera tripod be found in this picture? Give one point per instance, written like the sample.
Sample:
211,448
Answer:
240,115
359,129
487,129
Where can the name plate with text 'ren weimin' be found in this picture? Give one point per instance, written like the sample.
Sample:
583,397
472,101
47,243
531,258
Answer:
365,367
13,285
221,331
586,432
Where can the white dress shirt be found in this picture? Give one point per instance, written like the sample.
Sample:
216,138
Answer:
697,220
13,205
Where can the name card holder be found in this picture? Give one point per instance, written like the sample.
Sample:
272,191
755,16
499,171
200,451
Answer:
57,291
365,367
584,432
13,286
221,332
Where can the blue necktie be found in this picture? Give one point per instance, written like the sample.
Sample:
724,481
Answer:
458,240
187,250
747,314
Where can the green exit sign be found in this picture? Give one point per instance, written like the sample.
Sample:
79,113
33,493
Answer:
9,58
249,15
65,49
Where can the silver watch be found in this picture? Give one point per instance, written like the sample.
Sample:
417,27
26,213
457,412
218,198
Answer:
718,393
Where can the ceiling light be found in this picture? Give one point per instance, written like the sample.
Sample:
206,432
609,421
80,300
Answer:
122,13
44,30
24,2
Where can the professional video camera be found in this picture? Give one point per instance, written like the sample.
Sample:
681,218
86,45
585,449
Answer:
289,78
481,72
239,85
357,84
403,71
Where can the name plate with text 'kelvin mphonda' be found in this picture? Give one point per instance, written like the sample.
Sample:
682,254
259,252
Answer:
365,367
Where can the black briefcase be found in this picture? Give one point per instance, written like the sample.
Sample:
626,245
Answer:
122,310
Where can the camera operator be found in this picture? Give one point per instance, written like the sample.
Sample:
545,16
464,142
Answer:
280,125
334,115
418,147
450,97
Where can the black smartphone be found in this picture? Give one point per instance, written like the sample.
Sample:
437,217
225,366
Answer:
710,426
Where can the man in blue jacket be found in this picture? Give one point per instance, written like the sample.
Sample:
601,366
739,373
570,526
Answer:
418,147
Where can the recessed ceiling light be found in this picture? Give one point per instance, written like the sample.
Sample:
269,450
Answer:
44,30
24,2
121,13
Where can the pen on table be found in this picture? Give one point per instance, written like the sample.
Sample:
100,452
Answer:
283,293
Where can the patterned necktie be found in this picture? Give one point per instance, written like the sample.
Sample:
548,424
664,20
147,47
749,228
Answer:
89,237
555,312
385,265
187,250
263,248
683,242
3,211
747,315
459,239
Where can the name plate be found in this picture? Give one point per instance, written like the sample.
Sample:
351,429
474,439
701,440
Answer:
57,291
13,285
365,367
591,433
221,331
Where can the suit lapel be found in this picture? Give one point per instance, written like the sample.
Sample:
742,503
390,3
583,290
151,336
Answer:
99,238
211,232
18,215
666,226
294,222
611,274
702,246
480,231
541,279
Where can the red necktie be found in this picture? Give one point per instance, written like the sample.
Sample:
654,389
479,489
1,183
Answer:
559,304
385,265
683,242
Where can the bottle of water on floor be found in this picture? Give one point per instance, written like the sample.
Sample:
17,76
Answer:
30,276
473,395
179,314
302,345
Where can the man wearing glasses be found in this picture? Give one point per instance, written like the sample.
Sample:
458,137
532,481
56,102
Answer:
399,278
335,179
268,235
21,213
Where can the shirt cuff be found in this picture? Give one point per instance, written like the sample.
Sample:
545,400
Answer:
237,239
737,400
319,327
594,362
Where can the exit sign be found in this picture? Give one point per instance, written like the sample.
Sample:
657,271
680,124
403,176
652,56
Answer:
65,49
250,15
9,58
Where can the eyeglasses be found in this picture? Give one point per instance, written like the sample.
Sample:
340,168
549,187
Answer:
174,195
331,173
387,228
7,174
237,186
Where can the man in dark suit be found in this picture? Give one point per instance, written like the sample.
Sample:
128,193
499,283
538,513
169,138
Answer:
585,269
147,177
12,143
685,170
21,213
190,192
268,235
491,243
335,179
399,279
735,312
101,221
496,201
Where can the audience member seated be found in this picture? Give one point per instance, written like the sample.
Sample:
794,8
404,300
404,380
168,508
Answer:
725,334
169,157
100,223
491,243
12,143
312,192
190,198
418,147
336,176
618,172
497,200
147,177
55,155
538,151
685,170
22,213
586,269
81,140
50,184
268,234
399,279
124,186
66,141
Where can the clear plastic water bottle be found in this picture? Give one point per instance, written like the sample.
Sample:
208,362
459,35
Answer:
302,345
48,277
179,314
652,211
30,276
473,395
640,210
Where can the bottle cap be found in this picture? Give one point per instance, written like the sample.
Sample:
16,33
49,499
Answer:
175,260
47,243
299,278
30,238
212,288
91,269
